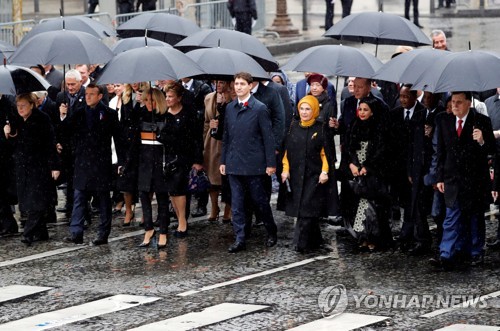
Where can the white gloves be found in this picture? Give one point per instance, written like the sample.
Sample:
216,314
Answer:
254,22
233,20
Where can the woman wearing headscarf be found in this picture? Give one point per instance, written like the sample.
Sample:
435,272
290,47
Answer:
306,164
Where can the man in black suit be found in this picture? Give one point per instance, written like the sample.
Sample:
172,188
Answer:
465,140
248,157
243,13
92,128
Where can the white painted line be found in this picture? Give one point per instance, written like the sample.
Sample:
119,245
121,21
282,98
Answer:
469,327
260,274
342,322
469,303
207,316
77,313
12,292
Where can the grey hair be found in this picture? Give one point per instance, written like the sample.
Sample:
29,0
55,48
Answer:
437,32
73,73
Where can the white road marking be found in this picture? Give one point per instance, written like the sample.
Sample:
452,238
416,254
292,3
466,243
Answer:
77,313
342,322
259,274
469,327
207,316
12,292
465,304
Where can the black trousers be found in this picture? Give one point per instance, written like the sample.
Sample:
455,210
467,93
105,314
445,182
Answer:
329,14
415,10
346,8
163,214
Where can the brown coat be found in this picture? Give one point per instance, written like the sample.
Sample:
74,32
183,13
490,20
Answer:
212,147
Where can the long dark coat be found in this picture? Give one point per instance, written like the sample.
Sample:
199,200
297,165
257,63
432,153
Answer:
7,169
127,182
303,147
35,156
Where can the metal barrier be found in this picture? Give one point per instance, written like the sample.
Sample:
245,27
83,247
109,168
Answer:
13,32
209,15
122,18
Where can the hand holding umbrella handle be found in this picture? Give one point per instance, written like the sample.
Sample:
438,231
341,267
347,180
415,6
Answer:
6,130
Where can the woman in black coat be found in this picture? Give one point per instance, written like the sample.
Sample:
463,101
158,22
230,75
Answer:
306,165
37,167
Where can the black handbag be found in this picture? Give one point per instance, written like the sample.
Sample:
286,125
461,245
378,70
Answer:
369,187
170,167
198,181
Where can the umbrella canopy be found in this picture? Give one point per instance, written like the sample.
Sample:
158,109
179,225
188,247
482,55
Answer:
334,60
162,26
136,42
378,28
61,47
6,50
222,63
148,64
17,80
230,39
408,67
462,71
73,23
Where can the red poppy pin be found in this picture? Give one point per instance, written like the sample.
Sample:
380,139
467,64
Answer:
245,104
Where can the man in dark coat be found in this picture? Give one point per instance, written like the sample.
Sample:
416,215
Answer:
248,155
464,143
93,128
146,5
243,11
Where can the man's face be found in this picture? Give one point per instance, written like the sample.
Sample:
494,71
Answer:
72,85
84,71
429,100
406,98
460,105
439,42
92,96
361,88
242,88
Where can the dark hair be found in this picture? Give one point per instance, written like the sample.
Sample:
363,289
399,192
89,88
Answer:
409,86
99,88
175,87
372,102
468,94
244,75
39,67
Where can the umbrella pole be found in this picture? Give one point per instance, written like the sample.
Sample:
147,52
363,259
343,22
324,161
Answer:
376,49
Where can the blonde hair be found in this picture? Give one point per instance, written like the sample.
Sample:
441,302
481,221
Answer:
127,93
158,97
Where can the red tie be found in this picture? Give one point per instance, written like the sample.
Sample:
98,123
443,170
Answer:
459,129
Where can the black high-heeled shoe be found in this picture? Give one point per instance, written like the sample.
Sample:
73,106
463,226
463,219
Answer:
180,234
146,244
129,223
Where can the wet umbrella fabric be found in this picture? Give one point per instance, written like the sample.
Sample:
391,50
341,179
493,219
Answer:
136,42
61,47
161,26
222,63
72,23
148,64
17,80
6,50
462,71
408,67
378,28
334,60
230,39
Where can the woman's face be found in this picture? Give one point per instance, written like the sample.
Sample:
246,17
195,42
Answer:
277,79
119,88
24,108
172,99
364,111
305,112
316,89
221,86
110,88
148,102
448,107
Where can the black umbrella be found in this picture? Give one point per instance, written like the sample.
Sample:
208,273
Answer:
73,23
230,39
17,80
408,67
336,60
462,71
222,63
162,26
6,50
136,42
148,64
61,47
378,28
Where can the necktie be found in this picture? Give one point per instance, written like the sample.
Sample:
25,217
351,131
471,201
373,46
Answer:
459,128
407,117
241,104
186,86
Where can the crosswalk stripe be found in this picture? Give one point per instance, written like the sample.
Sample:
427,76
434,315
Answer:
342,322
465,304
12,292
207,316
77,313
259,274
469,327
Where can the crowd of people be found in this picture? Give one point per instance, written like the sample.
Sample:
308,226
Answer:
405,155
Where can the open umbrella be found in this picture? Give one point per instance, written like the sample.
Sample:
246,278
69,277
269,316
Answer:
230,39
336,60
148,64
17,80
222,63
61,47
462,71
378,28
408,67
6,50
136,42
73,23
162,26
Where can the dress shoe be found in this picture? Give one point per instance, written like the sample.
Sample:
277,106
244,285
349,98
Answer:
477,260
271,241
27,241
419,26
99,241
78,240
180,234
41,237
199,212
236,247
494,245
418,250
7,232
226,221
441,264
